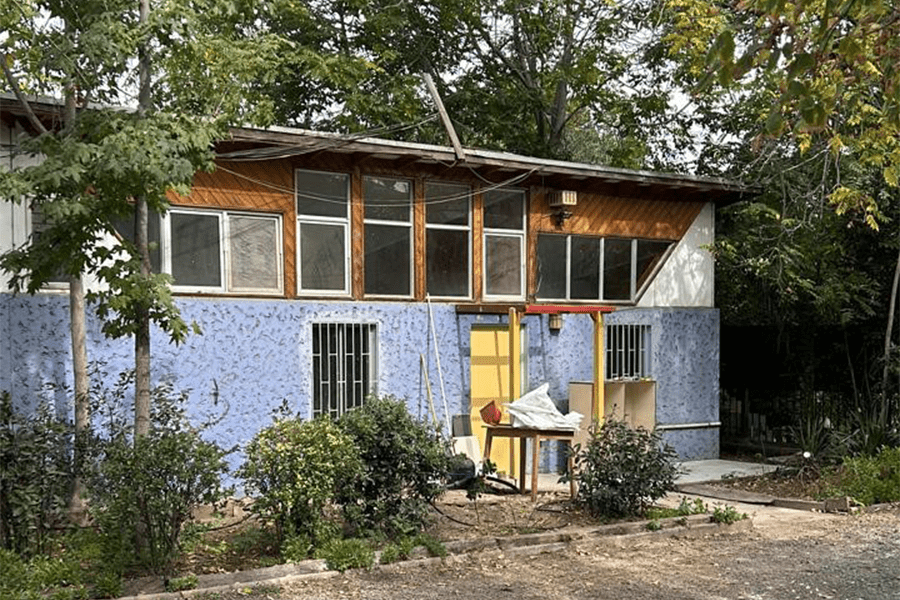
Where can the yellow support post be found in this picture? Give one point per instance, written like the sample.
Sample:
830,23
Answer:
515,384
599,399
515,356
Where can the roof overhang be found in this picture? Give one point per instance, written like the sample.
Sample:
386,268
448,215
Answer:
251,143
248,143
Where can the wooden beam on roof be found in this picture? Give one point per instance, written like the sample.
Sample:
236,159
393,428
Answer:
401,162
445,118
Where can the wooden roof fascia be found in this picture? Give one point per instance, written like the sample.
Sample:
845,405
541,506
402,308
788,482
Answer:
485,161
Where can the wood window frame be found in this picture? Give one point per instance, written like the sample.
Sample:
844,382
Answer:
344,222
467,228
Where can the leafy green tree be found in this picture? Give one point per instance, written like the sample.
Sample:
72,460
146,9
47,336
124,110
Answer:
195,61
830,74
556,78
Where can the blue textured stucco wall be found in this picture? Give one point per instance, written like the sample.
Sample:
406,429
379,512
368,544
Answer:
685,365
255,353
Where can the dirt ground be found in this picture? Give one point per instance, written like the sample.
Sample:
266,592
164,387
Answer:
784,554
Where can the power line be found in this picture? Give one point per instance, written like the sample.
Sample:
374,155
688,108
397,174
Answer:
285,150
343,200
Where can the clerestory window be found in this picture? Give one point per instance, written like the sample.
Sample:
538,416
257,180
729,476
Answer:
575,267
448,240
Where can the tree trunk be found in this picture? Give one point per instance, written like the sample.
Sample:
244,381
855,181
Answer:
888,333
77,508
142,336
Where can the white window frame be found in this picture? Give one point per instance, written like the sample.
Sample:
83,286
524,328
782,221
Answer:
510,233
467,228
279,254
343,222
50,286
372,332
398,224
166,244
223,218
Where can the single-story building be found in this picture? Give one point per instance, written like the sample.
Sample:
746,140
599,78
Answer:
323,268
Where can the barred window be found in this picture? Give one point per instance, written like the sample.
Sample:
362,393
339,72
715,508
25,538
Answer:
627,352
343,366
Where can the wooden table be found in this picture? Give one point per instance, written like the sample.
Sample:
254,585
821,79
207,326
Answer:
535,435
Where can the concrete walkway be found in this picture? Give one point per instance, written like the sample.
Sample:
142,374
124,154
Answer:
693,471
702,471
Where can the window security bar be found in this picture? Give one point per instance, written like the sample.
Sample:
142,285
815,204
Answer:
343,366
627,352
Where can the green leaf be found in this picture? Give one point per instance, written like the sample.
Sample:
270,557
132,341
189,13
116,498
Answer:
891,175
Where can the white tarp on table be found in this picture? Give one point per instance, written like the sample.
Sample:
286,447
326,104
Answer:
536,409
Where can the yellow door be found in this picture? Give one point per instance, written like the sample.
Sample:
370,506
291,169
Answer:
489,368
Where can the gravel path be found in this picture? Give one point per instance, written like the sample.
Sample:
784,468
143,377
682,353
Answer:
786,555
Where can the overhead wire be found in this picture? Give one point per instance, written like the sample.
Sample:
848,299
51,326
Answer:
343,200
286,150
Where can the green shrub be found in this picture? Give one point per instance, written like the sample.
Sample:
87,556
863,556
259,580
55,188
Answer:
296,548
14,580
35,476
43,577
434,546
402,547
143,490
404,464
870,429
108,585
179,584
49,572
868,479
392,553
295,469
685,508
341,555
727,515
623,470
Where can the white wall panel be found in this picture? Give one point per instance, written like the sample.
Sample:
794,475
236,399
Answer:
687,277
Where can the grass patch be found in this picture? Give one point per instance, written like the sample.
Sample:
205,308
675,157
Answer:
685,509
866,479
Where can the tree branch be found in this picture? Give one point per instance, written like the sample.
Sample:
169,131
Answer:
17,90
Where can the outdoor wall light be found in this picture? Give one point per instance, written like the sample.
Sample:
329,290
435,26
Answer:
555,322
